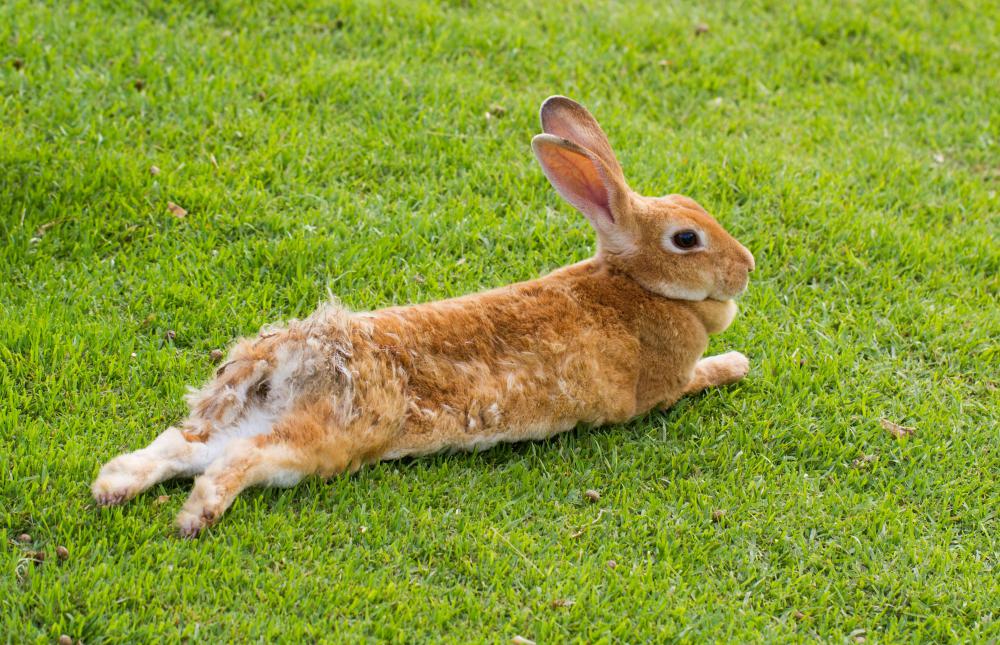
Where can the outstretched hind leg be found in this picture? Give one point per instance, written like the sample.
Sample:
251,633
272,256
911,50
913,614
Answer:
314,439
171,454
246,462
228,405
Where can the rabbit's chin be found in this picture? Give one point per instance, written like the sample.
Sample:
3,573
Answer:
680,292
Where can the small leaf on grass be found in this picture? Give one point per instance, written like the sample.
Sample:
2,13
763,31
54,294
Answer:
161,500
521,640
62,553
562,602
154,170
897,430
592,495
718,514
215,355
178,211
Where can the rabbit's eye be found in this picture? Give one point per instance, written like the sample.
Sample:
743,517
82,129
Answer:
685,239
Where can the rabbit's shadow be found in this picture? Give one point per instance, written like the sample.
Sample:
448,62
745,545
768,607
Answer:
366,486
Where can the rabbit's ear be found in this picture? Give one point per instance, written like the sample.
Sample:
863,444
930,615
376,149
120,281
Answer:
586,182
566,118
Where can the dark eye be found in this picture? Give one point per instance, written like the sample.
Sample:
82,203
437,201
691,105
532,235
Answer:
685,239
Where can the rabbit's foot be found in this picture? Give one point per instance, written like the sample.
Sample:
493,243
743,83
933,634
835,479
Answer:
202,509
729,367
718,370
121,479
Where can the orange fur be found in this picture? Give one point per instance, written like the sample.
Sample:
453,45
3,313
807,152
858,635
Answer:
597,342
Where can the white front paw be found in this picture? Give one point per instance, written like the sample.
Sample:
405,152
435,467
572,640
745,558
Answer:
737,364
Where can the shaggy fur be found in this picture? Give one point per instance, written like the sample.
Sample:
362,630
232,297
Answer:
597,342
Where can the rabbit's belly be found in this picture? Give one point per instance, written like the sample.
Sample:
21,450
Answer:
412,445
533,432
481,419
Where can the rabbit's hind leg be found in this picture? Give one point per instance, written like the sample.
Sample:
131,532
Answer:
230,406
171,454
245,463
312,439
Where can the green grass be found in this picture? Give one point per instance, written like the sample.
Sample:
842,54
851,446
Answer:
853,147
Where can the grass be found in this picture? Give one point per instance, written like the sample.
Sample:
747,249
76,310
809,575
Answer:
345,147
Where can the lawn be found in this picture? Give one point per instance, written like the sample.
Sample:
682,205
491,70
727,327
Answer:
380,152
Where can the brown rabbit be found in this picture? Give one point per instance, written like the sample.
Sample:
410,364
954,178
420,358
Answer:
601,341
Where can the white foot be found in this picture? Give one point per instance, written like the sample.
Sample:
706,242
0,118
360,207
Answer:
121,479
189,525
725,368
737,363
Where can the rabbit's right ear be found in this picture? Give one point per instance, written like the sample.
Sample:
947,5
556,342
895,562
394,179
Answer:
585,181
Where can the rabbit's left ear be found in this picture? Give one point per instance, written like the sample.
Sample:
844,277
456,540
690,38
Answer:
586,182
567,119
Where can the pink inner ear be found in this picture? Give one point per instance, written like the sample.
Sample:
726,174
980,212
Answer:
577,179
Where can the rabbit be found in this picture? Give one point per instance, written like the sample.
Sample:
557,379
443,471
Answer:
600,341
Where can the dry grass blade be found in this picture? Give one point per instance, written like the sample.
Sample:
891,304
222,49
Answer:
897,430
583,529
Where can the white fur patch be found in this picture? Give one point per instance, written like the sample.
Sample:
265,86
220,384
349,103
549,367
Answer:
256,422
679,292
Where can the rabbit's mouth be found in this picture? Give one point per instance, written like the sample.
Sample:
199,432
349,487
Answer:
733,288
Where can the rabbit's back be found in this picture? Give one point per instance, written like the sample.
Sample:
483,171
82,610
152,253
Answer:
522,362
516,363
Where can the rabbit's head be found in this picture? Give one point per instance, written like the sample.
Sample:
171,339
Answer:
669,245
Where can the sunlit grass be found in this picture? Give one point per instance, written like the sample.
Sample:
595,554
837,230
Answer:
345,148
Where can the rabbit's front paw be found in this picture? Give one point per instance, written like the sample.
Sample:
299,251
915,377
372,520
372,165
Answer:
735,365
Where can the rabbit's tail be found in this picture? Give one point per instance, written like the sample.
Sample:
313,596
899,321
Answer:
268,373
